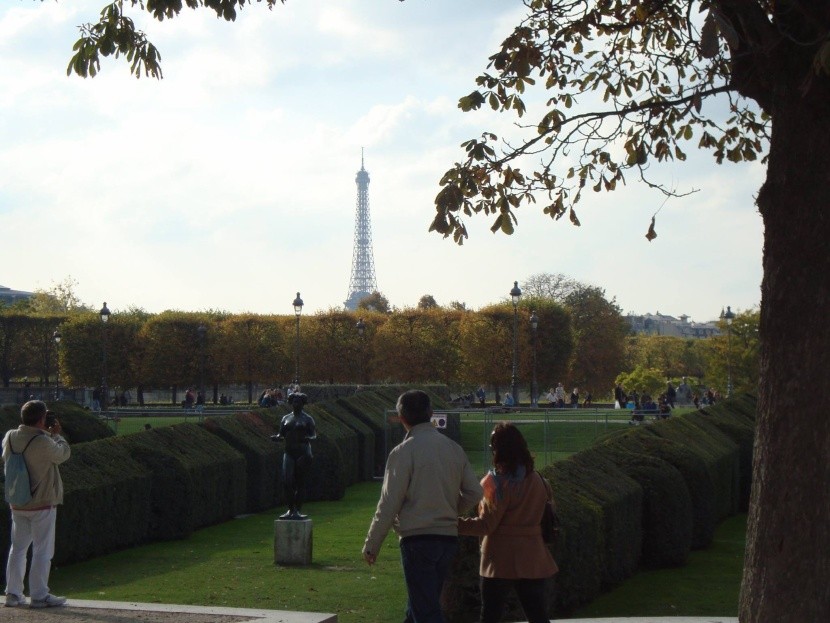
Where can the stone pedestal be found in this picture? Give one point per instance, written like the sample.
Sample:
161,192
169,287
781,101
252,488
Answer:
292,541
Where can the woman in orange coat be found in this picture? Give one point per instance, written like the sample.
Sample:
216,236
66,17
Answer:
509,517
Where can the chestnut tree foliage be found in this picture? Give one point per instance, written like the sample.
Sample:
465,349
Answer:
115,35
651,64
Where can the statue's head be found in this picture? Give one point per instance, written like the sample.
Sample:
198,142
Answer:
297,400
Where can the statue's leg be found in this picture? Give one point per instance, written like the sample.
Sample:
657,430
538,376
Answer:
289,484
303,467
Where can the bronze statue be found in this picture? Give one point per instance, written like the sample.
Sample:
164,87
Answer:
297,429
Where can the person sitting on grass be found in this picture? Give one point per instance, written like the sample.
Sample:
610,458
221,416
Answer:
508,400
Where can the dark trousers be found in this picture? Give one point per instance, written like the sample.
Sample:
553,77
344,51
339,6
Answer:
531,595
426,561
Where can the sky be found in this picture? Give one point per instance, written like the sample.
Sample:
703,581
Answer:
230,183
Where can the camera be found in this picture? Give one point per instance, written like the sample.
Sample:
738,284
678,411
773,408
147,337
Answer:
51,420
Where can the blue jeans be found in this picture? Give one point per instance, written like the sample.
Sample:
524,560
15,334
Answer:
426,560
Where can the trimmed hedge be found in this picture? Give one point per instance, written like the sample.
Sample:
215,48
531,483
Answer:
736,420
594,494
639,497
105,504
692,468
717,450
198,480
666,518
105,507
364,436
249,434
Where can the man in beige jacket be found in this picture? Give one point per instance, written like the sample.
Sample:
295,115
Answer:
428,483
33,523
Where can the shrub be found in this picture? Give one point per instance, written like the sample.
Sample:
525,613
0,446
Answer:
600,545
364,437
101,476
719,453
207,478
693,469
666,519
249,434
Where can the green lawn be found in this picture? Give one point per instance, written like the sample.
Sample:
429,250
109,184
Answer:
232,565
550,437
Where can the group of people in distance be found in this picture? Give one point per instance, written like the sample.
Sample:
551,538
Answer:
556,398
429,487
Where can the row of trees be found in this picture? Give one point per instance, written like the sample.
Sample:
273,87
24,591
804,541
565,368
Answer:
581,340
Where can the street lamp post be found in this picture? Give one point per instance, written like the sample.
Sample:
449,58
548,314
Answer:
515,295
729,316
57,337
201,330
105,316
298,309
534,387
361,331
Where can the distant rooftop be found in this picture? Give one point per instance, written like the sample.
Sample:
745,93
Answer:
662,324
9,296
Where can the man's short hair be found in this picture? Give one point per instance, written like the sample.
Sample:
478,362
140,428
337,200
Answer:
32,412
414,407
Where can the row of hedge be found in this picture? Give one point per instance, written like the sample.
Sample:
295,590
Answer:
640,497
166,482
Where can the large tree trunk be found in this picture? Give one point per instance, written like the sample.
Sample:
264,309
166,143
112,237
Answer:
787,570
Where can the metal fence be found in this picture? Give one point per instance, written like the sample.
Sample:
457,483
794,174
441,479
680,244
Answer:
551,434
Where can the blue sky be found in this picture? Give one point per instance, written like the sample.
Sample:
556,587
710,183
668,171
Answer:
229,184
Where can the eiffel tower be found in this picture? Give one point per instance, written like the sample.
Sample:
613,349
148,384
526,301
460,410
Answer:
362,282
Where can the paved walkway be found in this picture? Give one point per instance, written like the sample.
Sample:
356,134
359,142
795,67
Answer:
82,611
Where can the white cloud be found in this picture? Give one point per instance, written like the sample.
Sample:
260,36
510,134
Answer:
230,183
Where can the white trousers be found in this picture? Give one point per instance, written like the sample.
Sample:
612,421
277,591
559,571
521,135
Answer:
35,528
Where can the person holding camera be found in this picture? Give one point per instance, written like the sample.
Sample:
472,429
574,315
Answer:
427,484
39,439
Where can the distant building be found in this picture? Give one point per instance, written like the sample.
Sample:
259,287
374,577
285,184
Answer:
9,296
661,324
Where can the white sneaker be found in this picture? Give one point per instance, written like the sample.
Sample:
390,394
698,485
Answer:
13,601
50,601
